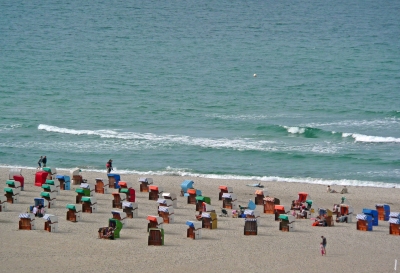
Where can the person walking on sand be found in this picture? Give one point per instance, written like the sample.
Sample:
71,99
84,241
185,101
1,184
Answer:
322,249
40,162
44,160
324,244
109,166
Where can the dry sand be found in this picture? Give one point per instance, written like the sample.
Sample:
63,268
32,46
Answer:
76,247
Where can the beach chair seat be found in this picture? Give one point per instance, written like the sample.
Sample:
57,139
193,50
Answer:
51,223
194,230
130,208
73,213
27,221
156,237
50,197
250,226
144,183
12,195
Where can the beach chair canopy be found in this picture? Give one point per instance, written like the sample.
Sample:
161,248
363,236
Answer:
126,204
14,171
49,170
50,182
394,215
27,215
250,219
167,202
249,212
251,205
50,217
263,192
195,225
88,199
187,184
386,207
156,219
269,199
115,175
46,187
155,188
364,217
71,206
146,180
371,212
75,171
9,190
80,190
169,210
11,183
279,207
115,193
394,221
205,215
170,195
229,196
85,186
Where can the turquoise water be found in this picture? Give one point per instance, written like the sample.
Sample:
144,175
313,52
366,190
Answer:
169,88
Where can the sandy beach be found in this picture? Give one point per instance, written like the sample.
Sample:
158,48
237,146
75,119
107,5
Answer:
76,246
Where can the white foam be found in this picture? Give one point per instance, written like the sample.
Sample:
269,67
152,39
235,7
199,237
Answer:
372,139
185,172
8,127
295,129
359,123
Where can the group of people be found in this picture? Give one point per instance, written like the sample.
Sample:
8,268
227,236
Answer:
330,190
42,160
38,210
106,233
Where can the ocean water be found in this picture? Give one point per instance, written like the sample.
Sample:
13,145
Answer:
169,88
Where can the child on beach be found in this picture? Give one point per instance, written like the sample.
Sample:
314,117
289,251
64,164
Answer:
322,249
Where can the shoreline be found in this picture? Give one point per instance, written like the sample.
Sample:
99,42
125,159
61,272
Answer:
265,179
225,249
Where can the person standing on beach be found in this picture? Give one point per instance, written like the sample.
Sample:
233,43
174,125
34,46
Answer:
40,162
109,166
324,244
44,160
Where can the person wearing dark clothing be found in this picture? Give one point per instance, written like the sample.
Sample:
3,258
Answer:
44,160
324,243
40,162
109,166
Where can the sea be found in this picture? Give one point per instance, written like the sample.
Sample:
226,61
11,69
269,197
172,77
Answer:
291,91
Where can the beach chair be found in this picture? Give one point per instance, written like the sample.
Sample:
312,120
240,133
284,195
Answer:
113,180
374,215
118,199
346,210
364,222
12,195
65,182
49,188
80,192
144,183
224,189
207,207
253,214
269,204
50,172
250,226
13,172
185,185
302,197
164,202
154,222
383,211
172,197
101,187
155,192
200,200
278,210
229,201
3,203
20,179
54,183
16,185
167,213
50,197
191,195
27,221
156,237
40,201
76,176
89,204
259,196
88,187
117,226
286,222
209,220
126,188
194,230
394,223
51,223
131,209
73,213
40,178
120,216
